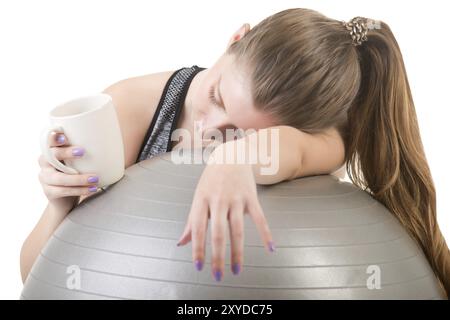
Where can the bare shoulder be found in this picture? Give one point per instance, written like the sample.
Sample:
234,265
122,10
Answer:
136,100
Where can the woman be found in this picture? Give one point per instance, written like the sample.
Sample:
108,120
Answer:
337,92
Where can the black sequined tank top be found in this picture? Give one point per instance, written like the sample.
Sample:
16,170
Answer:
164,122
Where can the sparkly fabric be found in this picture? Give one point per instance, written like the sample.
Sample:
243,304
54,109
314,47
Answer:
165,119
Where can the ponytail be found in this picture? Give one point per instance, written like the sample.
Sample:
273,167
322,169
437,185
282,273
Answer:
384,151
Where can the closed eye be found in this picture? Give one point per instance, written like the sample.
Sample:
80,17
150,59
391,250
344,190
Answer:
212,98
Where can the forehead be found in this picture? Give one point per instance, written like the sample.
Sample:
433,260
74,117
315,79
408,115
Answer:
235,88
235,83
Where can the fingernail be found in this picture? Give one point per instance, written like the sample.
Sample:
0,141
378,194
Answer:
198,265
271,246
92,189
93,179
60,138
77,152
236,268
218,275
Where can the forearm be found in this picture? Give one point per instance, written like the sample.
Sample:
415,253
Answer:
276,155
49,221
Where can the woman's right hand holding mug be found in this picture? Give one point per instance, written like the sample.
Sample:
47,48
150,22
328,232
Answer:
61,189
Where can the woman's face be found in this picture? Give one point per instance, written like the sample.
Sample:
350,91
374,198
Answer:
223,99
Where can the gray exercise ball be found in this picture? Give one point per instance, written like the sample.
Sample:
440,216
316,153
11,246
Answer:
333,241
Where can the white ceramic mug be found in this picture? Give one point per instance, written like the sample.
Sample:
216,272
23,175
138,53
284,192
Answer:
90,122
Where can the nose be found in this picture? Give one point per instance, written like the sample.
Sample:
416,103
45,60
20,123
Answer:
216,120
216,128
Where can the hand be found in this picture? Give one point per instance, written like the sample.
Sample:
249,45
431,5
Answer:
224,192
64,190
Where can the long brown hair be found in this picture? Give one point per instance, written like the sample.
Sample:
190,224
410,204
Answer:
305,70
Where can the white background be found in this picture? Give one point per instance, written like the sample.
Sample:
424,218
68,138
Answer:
52,51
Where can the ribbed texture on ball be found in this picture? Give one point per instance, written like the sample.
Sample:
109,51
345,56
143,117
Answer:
327,233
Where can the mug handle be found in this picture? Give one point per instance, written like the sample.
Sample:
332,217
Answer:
48,154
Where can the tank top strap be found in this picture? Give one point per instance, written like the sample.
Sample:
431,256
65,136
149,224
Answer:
164,122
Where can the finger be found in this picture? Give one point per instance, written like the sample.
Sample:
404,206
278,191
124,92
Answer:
218,238
53,192
199,225
57,138
186,235
256,213
43,163
236,222
51,176
72,152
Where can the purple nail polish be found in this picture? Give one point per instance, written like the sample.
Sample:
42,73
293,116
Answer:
218,275
236,268
93,179
92,189
271,246
198,264
78,152
61,138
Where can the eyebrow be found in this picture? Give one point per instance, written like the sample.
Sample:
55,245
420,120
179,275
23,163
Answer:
218,92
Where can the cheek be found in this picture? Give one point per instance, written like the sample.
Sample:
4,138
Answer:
201,96
201,103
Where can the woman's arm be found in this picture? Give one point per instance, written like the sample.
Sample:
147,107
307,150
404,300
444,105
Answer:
50,219
285,153
135,100
227,187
